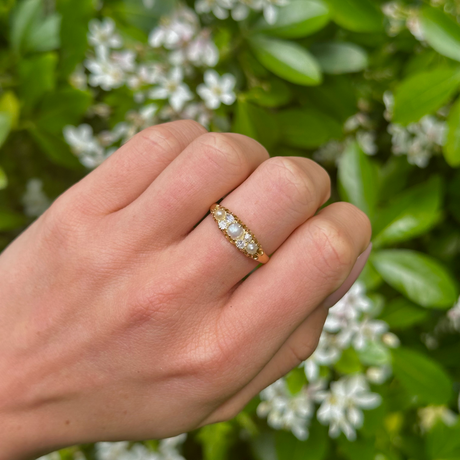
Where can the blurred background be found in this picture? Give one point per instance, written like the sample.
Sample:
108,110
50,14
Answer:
367,88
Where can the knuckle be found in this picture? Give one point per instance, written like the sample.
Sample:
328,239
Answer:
222,151
160,137
291,181
334,246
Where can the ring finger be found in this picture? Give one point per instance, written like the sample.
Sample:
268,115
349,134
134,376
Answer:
281,194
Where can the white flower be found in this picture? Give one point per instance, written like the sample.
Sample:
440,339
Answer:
378,375
35,200
202,51
173,88
270,8
348,308
454,316
330,152
327,353
78,78
367,330
103,34
418,140
85,145
105,72
52,456
341,406
219,8
124,59
217,89
197,111
366,140
148,3
175,31
430,415
112,450
284,410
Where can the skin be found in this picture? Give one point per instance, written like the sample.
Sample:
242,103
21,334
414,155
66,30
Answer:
124,314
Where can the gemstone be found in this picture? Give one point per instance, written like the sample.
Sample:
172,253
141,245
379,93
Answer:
247,236
240,244
219,214
222,224
234,230
251,248
230,218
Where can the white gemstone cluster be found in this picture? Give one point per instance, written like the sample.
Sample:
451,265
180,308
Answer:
243,239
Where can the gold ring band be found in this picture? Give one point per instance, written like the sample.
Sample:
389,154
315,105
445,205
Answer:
238,234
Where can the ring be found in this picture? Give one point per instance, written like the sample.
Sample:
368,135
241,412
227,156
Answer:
238,234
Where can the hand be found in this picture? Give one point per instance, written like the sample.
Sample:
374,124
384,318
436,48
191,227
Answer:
123,311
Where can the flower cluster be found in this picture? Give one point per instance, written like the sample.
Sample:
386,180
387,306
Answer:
349,326
357,128
167,450
157,74
400,17
418,140
34,200
240,9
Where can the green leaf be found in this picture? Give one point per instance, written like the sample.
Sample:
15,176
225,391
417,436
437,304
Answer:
358,179
374,354
424,93
9,103
23,19
288,447
298,19
339,57
44,36
307,127
255,122
5,126
410,214
61,108
216,440
3,179
443,441
31,31
295,380
287,59
419,277
10,220
402,314
441,32
74,28
357,15
37,76
452,147
56,149
272,93
349,362
421,376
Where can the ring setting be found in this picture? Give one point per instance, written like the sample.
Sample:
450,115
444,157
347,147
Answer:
238,233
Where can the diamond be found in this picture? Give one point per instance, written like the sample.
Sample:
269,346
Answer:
222,224
230,218
247,236
240,244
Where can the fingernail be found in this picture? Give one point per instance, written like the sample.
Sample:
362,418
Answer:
352,277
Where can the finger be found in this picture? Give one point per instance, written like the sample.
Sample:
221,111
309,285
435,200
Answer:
271,303
297,348
209,168
305,337
278,197
121,178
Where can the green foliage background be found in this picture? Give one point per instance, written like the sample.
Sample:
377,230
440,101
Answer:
298,82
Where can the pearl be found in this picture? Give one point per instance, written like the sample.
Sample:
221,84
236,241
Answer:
234,230
219,214
251,248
